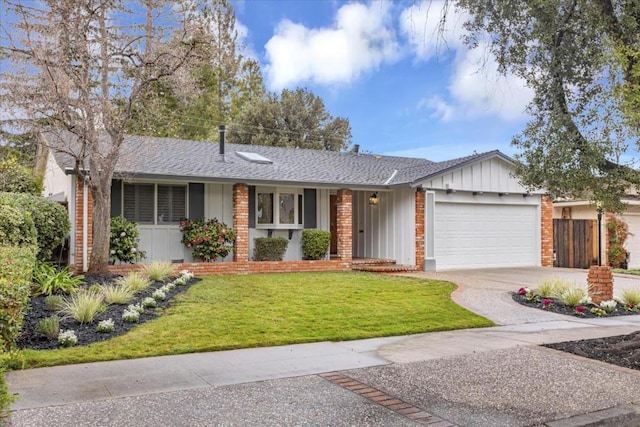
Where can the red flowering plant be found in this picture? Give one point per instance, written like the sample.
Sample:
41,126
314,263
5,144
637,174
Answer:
209,240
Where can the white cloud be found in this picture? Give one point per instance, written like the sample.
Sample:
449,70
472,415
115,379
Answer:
476,88
440,109
429,27
360,40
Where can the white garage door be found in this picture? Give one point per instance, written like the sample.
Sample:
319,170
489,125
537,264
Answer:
476,236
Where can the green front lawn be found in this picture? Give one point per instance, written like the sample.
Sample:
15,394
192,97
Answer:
623,271
229,312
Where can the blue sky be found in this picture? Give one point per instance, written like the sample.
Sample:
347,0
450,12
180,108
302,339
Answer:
381,64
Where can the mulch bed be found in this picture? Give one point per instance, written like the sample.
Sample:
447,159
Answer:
602,349
87,333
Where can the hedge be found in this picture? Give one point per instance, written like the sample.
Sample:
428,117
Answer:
16,227
269,248
315,243
15,280
50,219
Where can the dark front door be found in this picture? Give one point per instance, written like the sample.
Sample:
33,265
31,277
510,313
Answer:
333,223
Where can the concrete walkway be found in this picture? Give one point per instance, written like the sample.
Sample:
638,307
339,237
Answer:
480,377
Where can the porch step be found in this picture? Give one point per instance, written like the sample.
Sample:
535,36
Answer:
379,266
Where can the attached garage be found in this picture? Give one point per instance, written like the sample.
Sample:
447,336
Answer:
477,215
471,235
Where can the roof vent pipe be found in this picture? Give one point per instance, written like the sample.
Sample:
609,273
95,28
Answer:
356,148
221,128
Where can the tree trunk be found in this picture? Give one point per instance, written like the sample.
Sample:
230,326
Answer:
99,260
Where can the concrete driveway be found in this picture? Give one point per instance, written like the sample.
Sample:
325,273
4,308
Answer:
488,291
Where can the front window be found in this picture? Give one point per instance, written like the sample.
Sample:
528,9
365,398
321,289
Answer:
154,203
278,209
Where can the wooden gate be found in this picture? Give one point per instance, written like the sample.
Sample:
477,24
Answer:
575,243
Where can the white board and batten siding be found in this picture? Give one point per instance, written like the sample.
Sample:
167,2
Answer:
495,227
386,230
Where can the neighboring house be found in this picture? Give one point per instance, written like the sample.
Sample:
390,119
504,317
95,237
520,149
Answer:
468,212
584,231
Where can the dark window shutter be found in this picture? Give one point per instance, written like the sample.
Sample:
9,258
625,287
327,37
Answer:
310,203
196,200
252,206
139,203
116,197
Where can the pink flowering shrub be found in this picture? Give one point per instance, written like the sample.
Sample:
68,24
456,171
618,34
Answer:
209,240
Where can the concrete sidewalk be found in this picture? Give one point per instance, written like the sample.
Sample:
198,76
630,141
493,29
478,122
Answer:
495,376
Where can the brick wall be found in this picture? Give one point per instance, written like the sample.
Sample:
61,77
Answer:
600,283
209,268
79,225
546,235
420,229
344,225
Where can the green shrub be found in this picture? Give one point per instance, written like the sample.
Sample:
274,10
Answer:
269,248
134,280
118,293
631,296
158,271
208,239
315,243
53,303
49,327
552,288
16,227
50,219
15,278
83,306
17,178
573,297
50,280
124,241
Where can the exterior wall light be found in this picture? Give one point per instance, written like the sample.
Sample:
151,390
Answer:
373,199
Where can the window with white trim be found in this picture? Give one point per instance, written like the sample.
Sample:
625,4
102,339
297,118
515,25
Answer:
278,208
156,204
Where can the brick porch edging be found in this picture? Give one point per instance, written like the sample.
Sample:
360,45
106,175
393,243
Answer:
383,399
217,268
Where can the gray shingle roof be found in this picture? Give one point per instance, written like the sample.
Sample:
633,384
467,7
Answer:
195,160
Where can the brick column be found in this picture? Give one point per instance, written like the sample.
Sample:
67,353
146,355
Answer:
345,225
600,283
546,231
79,226
241,222
420,229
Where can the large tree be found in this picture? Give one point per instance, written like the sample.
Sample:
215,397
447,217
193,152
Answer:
294,119
581,59
79,67
216,87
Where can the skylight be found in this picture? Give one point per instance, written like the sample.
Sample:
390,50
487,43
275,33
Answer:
253,157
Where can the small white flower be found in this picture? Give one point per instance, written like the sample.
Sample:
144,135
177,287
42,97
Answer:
148,302
67,338
159,295
123,234
586,301
608,306
130,316
106,326
113,251
133,250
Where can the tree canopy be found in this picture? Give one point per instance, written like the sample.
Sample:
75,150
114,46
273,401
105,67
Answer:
581,58
294,119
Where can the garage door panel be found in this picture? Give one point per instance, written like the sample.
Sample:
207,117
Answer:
472,235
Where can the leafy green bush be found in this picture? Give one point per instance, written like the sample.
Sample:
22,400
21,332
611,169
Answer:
16,227
315,243
158,271
15,278
83,306
50,219
269,248
209,240
17,178
53,280
49,327
124,241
